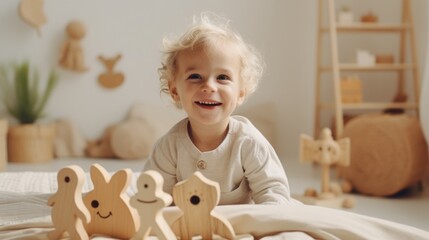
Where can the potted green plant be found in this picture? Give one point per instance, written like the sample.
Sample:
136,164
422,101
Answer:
25,101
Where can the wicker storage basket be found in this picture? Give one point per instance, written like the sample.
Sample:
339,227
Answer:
31,143
388,153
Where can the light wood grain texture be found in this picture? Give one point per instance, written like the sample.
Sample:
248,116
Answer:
3,148
405,63
108,203
110,79
197,196
68,210
149,202
31,11
325,152
72,54
31,143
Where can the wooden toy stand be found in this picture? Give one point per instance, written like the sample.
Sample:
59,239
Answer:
326,152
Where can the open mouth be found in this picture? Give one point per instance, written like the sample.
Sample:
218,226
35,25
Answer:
208,103
110,214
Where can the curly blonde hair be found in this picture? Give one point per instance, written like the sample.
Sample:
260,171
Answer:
207,32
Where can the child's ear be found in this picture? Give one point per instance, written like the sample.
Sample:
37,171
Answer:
173,90
241,96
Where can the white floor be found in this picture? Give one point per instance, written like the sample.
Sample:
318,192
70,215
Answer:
411,208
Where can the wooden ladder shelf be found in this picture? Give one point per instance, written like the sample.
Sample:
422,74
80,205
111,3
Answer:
404,29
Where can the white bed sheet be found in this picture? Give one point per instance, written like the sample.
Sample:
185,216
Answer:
25,215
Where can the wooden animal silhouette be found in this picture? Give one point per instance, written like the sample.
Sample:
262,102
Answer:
72,56
325,152
149,201
110,79
197,196
68,209
108,203
31,11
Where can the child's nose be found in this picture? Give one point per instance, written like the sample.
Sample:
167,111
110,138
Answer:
209,86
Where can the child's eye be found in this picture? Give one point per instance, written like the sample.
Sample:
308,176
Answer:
194,76
223,77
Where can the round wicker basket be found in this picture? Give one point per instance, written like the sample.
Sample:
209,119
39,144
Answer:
388,153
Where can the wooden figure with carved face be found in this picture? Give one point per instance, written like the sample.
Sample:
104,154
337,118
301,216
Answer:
197,196
68,210
108,203
325,152
149,201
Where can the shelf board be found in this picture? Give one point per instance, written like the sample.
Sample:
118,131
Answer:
369,27
376,67
372,105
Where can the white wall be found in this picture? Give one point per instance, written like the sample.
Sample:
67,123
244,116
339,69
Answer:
283,30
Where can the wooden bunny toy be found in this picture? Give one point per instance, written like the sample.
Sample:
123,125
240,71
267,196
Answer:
68,209
149,201
197,196
108,203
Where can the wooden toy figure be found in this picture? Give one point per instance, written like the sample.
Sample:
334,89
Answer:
110,79
197,196
72,53
325,152
68,209
108,204
149,201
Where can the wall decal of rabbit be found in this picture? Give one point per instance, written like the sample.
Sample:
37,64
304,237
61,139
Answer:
108,203
110,79
68,210
149,201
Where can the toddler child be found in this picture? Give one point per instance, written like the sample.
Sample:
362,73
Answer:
208,72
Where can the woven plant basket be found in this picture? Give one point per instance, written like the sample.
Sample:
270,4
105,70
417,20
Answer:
31,143
3,149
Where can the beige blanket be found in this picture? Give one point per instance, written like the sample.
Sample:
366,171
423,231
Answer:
25,215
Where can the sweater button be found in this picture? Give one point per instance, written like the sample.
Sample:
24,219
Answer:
201,164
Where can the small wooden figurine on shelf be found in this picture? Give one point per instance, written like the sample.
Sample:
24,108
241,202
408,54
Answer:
68,210
72,56
345,15
149,202
110,79
197,196
108,203
351,89
31,11
384,59
326,152
369,18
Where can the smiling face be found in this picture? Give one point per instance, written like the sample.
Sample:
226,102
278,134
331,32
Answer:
207,83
